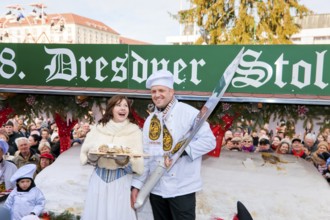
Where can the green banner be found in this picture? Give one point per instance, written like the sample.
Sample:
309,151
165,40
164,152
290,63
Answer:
264,69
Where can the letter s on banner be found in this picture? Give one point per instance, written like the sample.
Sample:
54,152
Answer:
261,71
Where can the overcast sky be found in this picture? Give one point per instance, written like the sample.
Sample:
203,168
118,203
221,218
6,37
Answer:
144,20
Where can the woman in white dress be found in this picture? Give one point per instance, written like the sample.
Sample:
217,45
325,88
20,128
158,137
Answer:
108,195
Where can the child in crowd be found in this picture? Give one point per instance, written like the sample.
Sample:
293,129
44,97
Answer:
26,199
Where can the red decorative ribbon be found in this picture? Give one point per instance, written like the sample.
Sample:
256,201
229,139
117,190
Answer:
4,113
64,131
140,121
219,131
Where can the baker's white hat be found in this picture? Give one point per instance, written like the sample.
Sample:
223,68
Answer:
160,78
26,171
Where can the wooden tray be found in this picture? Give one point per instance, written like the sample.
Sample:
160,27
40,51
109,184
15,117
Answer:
115,154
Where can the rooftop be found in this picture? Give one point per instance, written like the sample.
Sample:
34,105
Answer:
67,18
314,21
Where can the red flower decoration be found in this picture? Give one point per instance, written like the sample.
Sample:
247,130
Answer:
302,110
4,113
138,119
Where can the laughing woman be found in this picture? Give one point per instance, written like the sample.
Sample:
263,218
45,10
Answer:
108,195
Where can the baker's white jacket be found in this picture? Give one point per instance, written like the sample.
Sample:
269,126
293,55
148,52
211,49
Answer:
124,134
22,204
184,177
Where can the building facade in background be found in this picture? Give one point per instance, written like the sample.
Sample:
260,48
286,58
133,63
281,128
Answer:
315,29
56,28
67,28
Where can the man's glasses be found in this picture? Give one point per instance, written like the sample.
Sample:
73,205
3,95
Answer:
236,143
247,141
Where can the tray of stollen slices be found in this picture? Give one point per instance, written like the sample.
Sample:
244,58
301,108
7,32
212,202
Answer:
116,152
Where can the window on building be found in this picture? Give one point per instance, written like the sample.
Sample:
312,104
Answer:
296,39
319,38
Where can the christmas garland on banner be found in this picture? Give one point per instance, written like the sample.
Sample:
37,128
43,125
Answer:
251,116
66,215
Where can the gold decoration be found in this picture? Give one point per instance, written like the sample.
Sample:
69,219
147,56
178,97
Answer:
178,146
6,95
167,139
80,99
2,187
154,129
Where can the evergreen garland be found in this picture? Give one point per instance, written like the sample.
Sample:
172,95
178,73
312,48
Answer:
33,105
66,215
252,115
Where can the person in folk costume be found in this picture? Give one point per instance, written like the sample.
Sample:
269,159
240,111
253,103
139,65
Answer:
26,200
108,195
7,169
174,195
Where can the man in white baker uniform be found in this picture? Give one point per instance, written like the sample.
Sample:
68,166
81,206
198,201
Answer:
174,195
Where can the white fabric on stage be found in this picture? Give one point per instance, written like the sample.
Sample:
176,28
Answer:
100,194
268,191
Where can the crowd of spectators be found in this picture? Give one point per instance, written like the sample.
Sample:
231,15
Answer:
36,143
310,147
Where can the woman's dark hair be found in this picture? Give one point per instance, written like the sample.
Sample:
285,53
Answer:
277,137
108,115
36,137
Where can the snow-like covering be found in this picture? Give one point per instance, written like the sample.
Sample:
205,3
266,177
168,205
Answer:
64,183
293,190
